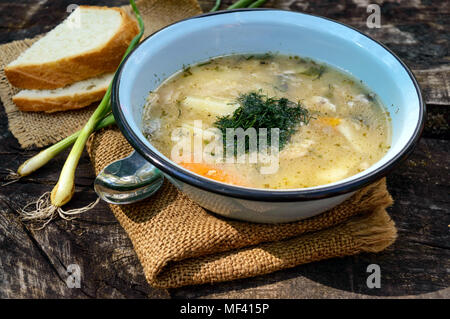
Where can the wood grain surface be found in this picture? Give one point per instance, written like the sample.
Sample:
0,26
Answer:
33,264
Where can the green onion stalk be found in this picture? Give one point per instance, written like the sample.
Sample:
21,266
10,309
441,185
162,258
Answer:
216,6
46,155
64,189
240,4
257,4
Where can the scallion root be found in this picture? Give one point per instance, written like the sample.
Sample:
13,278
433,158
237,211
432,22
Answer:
42,214
44,211
72,213
12,177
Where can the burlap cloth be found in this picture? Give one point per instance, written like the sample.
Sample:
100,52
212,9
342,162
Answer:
178,242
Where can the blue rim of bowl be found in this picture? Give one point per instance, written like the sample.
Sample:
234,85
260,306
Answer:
265,195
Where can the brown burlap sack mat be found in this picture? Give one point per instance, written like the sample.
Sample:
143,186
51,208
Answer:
178,242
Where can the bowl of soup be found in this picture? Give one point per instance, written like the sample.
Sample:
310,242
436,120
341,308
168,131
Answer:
267,115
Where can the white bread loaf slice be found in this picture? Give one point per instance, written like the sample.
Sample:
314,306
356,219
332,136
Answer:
90,42
74,96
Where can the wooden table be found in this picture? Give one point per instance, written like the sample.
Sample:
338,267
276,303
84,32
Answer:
33,263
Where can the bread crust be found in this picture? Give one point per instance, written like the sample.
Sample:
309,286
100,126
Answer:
60,103
56,74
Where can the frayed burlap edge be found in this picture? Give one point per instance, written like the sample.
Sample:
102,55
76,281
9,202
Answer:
372,232
178,243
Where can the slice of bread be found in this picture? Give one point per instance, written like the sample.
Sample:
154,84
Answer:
90,42
74,96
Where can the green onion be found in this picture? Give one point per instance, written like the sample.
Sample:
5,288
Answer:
46,155
257,4
64,189
240,4
216,6
98,120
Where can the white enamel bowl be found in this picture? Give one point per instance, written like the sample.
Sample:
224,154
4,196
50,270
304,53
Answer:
259,31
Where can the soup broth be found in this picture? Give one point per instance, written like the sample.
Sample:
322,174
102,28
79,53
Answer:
346,132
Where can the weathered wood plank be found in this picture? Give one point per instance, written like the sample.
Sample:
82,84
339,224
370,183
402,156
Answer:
33,263
38,259
435,85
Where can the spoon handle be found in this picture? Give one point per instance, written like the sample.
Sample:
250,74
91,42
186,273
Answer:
128,180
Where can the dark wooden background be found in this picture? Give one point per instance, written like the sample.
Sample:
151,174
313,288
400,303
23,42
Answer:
33,263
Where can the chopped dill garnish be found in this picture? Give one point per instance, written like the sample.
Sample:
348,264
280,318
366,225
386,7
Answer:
260,111
265,56
314,70
204,63
371,96
187,71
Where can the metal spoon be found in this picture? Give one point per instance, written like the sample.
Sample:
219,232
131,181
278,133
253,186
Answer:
128,180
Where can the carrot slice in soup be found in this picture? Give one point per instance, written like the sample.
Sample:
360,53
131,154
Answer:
330,121
211,172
